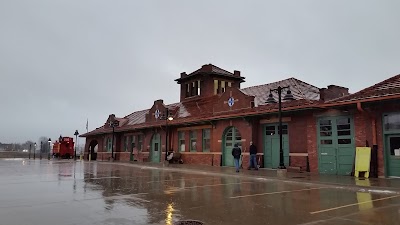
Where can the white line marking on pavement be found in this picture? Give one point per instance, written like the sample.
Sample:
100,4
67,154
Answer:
184,179
98,178
210,185
354,204
278,192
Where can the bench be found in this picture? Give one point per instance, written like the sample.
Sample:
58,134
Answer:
177,158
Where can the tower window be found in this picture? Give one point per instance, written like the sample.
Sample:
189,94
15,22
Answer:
215,87
222,86
198,87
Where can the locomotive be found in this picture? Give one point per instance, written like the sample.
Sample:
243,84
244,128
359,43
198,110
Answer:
64,148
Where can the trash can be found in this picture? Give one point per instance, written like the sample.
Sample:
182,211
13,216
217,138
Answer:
188,222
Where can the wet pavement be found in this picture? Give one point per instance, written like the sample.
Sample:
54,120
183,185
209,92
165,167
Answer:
65,193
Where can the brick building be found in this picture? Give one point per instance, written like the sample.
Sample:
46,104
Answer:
321,126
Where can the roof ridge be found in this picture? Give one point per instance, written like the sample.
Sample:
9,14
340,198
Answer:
296,84
275,82
367,88
220,68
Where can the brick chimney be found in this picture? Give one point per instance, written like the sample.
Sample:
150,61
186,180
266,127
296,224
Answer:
332,92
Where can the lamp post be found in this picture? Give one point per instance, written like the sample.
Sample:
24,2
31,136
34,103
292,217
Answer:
271,99
41,149
34,152
113,124
49,149
76,140
30,147
167,118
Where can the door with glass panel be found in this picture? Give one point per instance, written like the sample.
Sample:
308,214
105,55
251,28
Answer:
391,131
336,147
231,137
156,148
272,145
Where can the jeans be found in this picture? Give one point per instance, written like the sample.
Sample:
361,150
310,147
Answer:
253,161
236,161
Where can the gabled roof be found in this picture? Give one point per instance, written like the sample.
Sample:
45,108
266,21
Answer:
300,90
387,88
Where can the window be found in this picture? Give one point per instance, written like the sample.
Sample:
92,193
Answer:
325,128
284,129
181,141
126,143
133,142
394,145
109,144
193,89
229,84
140,143
222,86
270,130
343,129
206,140
215,87
198,87
326,142
193,141
392,122
187,90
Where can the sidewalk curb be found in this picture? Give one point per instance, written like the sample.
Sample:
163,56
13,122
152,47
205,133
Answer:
356,188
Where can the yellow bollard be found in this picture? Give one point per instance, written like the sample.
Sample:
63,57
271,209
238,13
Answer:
90,157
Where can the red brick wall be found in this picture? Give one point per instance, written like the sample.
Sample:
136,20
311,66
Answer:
242,101
201,158
312,143
298,133
299,161
123,156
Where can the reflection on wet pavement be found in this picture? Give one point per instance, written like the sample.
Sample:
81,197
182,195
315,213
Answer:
66,193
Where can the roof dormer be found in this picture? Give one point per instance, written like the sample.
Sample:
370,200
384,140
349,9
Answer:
207,81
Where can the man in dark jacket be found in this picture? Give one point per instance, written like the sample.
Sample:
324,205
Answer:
253,156
236,153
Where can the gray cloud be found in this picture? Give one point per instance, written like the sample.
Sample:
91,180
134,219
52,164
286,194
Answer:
62,62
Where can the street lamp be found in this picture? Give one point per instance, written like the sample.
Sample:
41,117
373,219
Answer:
41,149
271,99
113,124
167,117
34,152
76,140
49,148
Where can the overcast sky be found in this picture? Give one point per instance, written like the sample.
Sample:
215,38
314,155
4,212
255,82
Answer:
63,61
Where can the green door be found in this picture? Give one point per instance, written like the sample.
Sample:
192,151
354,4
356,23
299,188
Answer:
156,148
272,146
232,136
336,147
393,155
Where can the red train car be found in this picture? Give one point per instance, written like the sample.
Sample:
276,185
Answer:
64,148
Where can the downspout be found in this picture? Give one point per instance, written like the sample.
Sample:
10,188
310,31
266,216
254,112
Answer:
374,152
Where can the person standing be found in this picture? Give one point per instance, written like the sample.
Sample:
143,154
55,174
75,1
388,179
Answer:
236,153
253,156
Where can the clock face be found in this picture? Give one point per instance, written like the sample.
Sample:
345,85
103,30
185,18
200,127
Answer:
157,114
